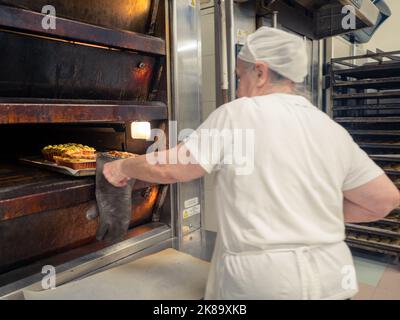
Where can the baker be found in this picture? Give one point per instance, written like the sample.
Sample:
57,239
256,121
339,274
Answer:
281,224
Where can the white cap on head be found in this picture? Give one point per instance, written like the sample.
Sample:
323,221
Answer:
284,53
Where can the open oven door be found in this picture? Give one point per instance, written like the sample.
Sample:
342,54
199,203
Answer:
120,272
166,275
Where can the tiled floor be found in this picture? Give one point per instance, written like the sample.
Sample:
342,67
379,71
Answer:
377,280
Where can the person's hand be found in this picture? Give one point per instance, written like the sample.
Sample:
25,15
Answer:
112,172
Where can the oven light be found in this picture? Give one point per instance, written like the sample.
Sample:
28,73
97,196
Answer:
140,130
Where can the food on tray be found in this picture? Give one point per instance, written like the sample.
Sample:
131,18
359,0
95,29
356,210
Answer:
395,167
397,183
374,238
121,154
392,228
72,155
76,164
394,216
362,237
78,156
395,242
69,150
351,235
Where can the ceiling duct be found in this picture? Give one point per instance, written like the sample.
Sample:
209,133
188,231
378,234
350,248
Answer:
319,19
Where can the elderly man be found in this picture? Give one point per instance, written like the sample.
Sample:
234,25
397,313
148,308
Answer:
281,225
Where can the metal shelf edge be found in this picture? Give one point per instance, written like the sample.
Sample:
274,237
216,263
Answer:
26,20
14,113
373,230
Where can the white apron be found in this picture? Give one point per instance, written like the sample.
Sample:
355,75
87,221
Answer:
276,273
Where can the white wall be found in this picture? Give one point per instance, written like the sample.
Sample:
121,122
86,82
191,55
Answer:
387,37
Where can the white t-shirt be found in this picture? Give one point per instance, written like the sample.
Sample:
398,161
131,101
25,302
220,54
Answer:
292,193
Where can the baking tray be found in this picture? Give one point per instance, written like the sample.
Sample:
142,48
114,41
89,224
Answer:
379,145
38,161
392,172
358,132
376,245
374,249
368,95
371,71
372,230
368,119
380,83
386,156
385,106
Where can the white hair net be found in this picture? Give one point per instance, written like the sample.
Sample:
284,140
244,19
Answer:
284,53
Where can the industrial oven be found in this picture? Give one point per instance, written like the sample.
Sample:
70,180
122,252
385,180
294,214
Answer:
83,72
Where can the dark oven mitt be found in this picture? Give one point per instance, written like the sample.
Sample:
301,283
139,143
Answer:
114,205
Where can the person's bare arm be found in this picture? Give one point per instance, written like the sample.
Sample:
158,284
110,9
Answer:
354,213
371,201
118,172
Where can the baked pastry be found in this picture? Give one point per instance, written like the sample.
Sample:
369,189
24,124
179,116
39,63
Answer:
374,238
76,164
396,229
121,154
396,242
69,150
351,235
362,237
73,155
394,216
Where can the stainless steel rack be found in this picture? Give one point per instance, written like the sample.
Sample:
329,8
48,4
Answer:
365,99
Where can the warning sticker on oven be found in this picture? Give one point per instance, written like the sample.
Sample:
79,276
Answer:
191,202
189,212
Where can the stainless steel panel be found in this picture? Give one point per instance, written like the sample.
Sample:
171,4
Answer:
313,80
186,66
200,244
